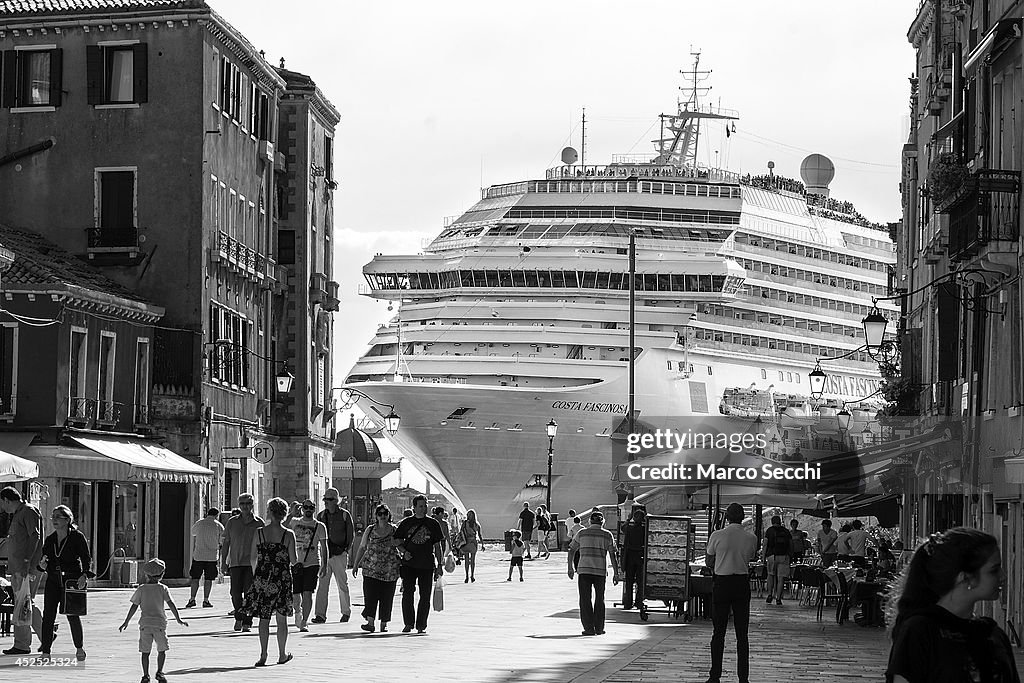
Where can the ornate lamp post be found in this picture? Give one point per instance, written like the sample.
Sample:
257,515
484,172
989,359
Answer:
552,429
349,397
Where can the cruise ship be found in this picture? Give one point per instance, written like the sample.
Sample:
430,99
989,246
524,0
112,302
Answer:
517,313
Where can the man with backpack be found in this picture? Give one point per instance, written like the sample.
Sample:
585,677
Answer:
778,545
340,534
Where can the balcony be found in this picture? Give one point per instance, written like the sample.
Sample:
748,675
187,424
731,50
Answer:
936,237
333,300
113,246
318,289
236,256
985,216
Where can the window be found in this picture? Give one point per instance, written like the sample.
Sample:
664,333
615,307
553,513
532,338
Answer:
259,113
8,368
230,90
105,390
141,408
321,380
115,208
117,73
329,158
228,361
77,364
32,77
764,374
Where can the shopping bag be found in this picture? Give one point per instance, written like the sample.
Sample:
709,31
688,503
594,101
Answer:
23,603
449,562
439,595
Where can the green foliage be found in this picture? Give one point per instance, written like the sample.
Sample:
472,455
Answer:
898,392
946,176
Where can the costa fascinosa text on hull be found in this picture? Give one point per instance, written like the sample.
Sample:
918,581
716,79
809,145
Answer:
517,313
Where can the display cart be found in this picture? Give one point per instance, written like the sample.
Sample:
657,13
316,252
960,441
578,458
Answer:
668,551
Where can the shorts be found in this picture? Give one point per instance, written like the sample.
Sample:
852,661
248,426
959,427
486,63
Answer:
199,569
516,561
539,535
148,634
304,580
778,565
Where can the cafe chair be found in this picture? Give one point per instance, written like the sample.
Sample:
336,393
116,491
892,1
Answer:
759,579
827,589
6,609
843,605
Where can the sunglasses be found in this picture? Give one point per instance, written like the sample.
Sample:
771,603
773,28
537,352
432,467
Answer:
330,499
308,507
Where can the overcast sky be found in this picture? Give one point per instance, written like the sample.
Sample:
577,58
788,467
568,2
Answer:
439,98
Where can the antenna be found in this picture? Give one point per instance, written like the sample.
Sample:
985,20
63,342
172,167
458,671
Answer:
583,140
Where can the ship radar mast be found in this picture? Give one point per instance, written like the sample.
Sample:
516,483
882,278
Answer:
680,132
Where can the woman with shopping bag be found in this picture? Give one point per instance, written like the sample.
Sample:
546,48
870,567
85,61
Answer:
66,561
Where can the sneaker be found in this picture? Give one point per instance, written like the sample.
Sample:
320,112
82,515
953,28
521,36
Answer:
238,624
421,630
207,603
600,633
368,627
407,629
190,604
768,601
520,578
509,578
303,629
16,651
778,602
589,633
345,618
383,627
319,620
246,628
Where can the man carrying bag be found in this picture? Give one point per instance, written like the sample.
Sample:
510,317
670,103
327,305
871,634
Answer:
24,548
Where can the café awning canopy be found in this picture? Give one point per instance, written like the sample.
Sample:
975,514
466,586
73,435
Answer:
116,458
12,466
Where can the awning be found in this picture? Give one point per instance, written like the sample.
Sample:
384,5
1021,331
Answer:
946,129
995,41
12,466
758,495
375,469
884,506
145,461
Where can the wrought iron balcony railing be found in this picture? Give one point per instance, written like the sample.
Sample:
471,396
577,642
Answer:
988,211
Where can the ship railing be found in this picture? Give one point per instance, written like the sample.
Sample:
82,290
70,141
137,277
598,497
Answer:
641,171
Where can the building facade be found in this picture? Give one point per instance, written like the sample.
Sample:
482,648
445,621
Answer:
76,363
959,250
305,184
142,138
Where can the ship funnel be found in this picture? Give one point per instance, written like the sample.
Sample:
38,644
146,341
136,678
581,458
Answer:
817,171
569,156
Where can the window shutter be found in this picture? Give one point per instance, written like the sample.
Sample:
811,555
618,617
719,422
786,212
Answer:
141,66
94,74
56,68
10,93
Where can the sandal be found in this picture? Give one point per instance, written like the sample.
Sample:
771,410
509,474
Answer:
286,659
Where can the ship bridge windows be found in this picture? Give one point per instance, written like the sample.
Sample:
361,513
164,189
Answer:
756,341
815,253
627,213
562,279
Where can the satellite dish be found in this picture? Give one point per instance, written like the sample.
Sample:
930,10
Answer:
569,156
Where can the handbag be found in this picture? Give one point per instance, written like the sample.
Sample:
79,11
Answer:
449,562
23,603
74,602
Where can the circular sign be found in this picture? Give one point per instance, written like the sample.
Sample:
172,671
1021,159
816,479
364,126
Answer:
262,452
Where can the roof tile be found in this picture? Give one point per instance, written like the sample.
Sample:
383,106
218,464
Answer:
28,7
37,261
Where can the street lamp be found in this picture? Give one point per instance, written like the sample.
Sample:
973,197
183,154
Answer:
552,429
284,379
844,417
349,397
874,329
817,378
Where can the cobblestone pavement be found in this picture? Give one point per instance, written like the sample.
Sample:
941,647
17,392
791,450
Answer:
491,630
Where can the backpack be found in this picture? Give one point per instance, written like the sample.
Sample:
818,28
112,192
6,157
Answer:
543,524
780,541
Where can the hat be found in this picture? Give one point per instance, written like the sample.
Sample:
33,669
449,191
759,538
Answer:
308,503
332,493
154,567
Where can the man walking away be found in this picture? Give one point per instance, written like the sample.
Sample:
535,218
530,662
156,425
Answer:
526,519
857,544
595,544
728,552
24,549
311,553
420,540
828,543
778,544
206,535
340,534
633,558
237,556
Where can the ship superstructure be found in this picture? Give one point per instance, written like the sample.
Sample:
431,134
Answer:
517,313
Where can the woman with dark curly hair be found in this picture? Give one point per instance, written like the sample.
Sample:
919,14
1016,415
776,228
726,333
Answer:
935,638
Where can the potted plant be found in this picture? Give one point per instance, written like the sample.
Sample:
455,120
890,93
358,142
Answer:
947,176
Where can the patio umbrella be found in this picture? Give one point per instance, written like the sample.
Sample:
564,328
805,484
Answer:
13,468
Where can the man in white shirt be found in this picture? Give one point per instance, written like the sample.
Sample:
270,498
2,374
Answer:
728,553
206,535
857,543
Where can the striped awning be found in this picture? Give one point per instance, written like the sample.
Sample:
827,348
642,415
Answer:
115,459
